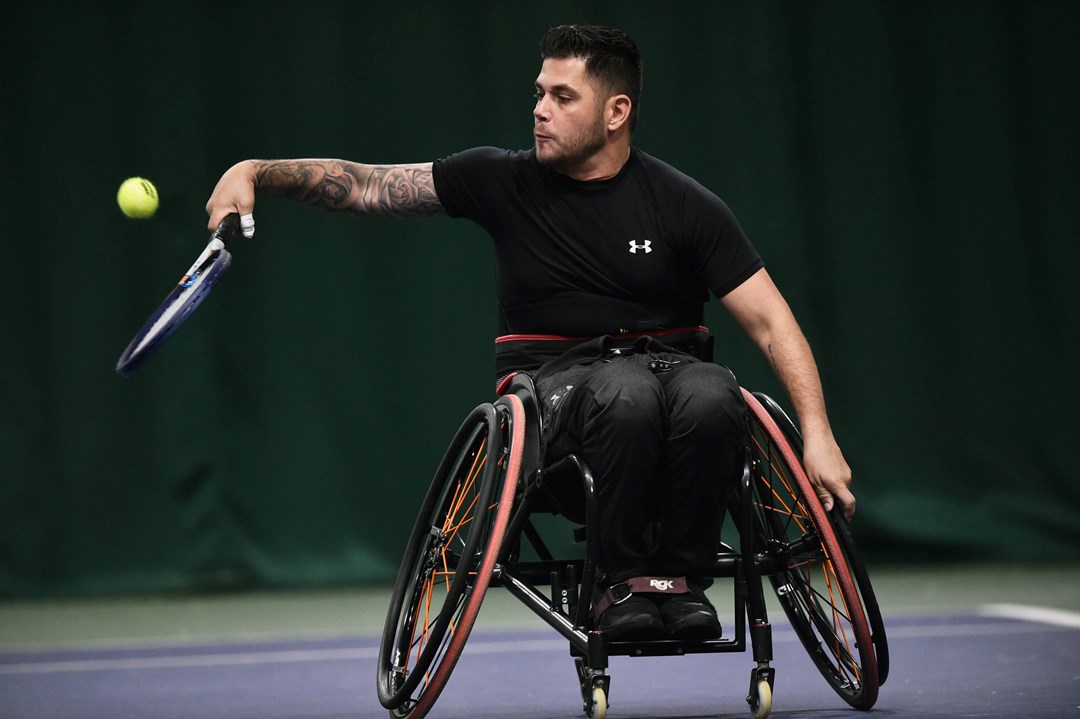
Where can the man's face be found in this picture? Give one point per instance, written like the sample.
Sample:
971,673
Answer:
568,121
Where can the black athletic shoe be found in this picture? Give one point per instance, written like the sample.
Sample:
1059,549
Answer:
634,618
690,616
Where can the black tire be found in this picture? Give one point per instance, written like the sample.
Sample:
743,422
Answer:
450,558
807,565
847,544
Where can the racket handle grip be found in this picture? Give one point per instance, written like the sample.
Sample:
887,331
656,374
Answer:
227,229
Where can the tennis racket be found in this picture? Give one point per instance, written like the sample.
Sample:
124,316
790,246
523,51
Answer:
184,299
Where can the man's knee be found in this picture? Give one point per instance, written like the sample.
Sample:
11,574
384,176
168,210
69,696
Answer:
626,394
708,395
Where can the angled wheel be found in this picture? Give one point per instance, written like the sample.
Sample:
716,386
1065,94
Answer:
761,700
807,566
598,710
847,544
450,557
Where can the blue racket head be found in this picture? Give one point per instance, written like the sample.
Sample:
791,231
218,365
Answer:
190,292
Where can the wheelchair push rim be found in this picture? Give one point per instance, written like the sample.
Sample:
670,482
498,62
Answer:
807,566
847,544
450,558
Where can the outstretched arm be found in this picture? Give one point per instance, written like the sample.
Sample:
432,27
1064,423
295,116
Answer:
334,185
762,312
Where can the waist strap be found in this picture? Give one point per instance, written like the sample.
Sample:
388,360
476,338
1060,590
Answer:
516,353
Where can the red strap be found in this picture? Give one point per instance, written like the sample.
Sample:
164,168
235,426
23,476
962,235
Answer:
640,585
621,336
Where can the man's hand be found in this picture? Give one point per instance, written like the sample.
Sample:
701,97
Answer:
829,473
235,192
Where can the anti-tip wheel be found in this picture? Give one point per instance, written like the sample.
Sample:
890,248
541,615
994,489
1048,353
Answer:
598,710
764,700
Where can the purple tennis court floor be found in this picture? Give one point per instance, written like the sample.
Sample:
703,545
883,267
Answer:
1005,663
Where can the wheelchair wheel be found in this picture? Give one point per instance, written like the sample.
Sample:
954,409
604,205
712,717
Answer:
847,544
450,558
807,566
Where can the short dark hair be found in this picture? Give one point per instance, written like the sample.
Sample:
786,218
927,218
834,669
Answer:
610,55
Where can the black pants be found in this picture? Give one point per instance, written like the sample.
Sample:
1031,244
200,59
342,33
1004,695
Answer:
663,435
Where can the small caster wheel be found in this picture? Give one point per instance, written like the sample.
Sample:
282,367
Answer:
598,708
761,702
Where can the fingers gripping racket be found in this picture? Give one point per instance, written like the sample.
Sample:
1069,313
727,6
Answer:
185,298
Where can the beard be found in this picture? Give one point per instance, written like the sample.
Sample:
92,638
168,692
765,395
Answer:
570,153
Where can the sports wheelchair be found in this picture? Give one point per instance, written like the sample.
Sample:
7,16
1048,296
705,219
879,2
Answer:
477,528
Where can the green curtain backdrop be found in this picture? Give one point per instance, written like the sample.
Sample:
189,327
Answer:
907,169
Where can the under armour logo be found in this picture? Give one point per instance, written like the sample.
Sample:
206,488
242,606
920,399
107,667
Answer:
634,247
662,584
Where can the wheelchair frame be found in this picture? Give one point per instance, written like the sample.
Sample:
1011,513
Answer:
477,518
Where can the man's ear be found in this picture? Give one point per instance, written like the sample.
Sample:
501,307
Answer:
617,111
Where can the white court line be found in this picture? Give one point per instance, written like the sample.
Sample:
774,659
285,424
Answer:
961,630
191,660
298,656
1041,615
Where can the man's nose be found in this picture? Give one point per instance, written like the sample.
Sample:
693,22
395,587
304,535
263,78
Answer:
540,112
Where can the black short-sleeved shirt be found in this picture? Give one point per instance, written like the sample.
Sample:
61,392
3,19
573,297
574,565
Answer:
635,253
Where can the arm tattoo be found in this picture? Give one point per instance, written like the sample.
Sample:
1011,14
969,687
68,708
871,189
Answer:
364,190
395,191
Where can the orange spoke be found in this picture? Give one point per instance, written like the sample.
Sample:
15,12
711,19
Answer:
797,565
427,587
425,635
453,523
779,472
465,518
455,502
840,618
466,487
446,573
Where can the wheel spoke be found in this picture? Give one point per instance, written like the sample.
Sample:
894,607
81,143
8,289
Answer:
809,566
451,555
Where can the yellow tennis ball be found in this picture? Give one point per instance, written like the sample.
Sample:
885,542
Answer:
137,198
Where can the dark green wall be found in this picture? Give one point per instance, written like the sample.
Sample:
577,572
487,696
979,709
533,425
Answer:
908,170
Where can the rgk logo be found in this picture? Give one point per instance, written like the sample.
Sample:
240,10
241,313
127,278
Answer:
634,247
662,585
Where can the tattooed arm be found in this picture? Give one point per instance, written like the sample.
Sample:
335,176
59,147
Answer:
762,312
334,185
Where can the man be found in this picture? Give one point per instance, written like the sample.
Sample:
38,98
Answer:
595,239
